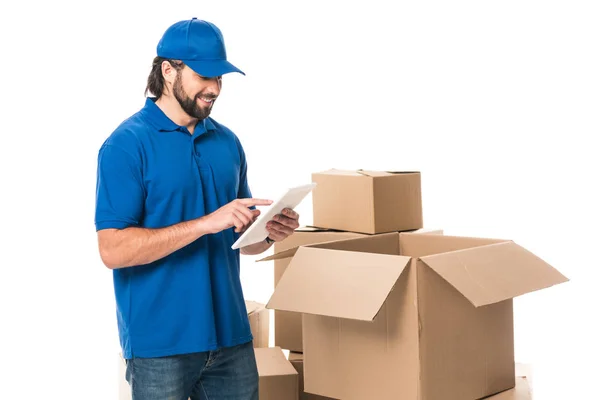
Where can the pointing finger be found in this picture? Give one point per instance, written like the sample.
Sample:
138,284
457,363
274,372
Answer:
248,202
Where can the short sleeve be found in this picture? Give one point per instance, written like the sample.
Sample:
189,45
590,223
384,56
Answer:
119,189
244,188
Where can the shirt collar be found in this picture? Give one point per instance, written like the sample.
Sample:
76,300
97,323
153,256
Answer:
161,122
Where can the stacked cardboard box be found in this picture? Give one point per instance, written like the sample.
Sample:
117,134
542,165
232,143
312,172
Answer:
350,204
386,313
258,316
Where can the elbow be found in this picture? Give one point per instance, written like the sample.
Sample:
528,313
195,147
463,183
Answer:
108,258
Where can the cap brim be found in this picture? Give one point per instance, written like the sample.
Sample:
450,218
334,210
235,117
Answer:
212,68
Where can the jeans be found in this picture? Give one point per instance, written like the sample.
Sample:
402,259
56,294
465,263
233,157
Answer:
225,374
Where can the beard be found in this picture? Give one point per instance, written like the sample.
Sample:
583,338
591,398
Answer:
190,105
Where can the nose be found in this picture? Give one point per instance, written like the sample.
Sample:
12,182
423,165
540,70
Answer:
215,85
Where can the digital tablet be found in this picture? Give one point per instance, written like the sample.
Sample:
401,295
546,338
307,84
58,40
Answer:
257,232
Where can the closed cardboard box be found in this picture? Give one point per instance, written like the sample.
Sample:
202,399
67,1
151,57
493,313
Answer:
258,316
367,201
278,379
430,317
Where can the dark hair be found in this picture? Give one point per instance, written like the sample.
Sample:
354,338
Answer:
156,82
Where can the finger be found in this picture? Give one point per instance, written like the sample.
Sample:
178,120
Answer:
289,222
288,212
245,211
280,228
239,225
275,234
249,202
244,218
255,213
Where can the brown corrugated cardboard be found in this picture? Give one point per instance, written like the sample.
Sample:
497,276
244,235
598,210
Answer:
429,316
278,379
521,391
297,361
288,325
258,316
367,201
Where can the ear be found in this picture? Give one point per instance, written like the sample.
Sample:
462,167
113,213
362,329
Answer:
168,72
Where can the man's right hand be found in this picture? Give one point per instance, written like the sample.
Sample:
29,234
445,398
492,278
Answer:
235,213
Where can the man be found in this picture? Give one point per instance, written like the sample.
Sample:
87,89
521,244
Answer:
172,197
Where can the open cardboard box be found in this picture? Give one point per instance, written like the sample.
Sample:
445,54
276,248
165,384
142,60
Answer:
288,325
429,316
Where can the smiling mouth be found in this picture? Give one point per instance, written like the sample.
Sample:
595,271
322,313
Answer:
206,100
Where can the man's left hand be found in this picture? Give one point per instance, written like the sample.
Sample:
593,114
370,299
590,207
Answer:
283,225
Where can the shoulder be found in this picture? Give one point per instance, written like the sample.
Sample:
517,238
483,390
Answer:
128,136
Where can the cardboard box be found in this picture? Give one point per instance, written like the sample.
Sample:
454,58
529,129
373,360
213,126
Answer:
277,378
367,201
297,361
288,325
429,316
258,316
521,391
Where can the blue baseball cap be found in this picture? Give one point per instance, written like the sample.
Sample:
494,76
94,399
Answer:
199,44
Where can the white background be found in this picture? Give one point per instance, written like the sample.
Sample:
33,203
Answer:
496,103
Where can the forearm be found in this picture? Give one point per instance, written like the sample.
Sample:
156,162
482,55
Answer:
138,246
255,248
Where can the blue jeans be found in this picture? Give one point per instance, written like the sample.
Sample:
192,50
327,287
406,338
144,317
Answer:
225,374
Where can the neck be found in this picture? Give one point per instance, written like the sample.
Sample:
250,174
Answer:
172,109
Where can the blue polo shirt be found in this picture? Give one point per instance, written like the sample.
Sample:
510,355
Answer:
152,173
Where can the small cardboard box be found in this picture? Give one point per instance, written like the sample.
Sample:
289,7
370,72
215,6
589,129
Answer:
367,201
277,378
258,316
288,325
429,316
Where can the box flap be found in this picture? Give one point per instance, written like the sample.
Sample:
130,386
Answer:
309,228
385,243
344,284
252,306
282,254
496,272
271,361
375,174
